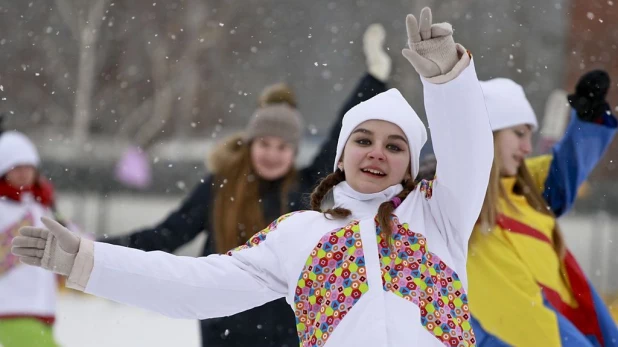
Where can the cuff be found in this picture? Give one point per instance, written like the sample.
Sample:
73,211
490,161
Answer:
461,65
82,268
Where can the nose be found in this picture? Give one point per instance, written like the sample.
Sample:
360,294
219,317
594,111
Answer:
376,154
526,146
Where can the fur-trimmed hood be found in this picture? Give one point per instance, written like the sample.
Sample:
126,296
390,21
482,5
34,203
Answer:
224,152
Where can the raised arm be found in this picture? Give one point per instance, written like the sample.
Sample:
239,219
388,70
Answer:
458,121
589,134
179,287
178,228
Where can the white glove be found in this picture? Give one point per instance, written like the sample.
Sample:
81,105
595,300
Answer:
432,50
378,62
54,249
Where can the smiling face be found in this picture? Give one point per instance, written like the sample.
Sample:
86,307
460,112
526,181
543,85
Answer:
375,157
21,176
513,145
272,157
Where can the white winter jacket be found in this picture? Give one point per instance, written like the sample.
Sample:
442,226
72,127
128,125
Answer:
25,291
346,287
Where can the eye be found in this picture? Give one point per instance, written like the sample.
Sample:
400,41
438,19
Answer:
519,133
394,148
363,142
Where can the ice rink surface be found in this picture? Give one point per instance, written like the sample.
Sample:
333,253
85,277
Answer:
88,321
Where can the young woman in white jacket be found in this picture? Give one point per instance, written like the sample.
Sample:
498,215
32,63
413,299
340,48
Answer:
386,266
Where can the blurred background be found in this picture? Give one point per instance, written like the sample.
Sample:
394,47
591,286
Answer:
89,80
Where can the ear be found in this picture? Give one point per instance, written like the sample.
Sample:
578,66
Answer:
340,166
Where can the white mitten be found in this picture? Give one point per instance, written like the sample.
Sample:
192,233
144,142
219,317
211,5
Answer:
378,62
54,249
431,48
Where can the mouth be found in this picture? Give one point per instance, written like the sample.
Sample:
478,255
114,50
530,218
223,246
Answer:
373,172
270,166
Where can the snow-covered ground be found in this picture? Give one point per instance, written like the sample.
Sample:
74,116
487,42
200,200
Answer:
85,320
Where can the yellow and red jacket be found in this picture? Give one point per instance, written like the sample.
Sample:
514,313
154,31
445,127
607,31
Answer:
521,292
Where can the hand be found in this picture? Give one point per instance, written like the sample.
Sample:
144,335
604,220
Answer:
54,248
432,50
589,97
378,62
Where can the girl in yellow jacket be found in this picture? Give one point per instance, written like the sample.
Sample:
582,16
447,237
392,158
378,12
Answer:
526,289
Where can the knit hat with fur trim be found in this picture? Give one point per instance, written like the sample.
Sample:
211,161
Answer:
277,116
392,107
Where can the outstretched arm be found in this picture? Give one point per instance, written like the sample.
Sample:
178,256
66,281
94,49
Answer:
179,287
178,228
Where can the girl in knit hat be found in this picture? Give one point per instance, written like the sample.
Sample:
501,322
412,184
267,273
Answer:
385,266
27,293
526,288
253,181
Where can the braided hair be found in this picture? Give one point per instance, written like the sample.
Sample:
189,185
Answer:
385,210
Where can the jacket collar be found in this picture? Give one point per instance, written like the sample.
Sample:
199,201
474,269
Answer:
362,205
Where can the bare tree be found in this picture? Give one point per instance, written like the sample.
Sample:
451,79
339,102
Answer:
84,19
173,79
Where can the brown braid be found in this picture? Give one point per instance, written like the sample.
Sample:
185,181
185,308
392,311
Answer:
387,208
325,186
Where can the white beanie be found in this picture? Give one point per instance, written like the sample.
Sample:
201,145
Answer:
507,104
16,149
388,106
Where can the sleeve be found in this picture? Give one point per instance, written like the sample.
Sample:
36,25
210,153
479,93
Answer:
569,335
192,288
179,228
366,88
573,159
463,146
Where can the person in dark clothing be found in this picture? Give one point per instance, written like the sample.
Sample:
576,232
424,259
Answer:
252,180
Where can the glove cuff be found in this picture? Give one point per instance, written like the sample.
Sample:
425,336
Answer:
82,267
462,64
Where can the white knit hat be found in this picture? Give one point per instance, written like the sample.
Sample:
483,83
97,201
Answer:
16,149
507,104
388,106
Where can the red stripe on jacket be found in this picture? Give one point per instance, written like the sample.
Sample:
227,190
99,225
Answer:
584,317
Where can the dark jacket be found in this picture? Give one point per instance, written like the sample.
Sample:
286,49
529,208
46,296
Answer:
272,324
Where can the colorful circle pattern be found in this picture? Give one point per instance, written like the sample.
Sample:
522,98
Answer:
413,273
332,281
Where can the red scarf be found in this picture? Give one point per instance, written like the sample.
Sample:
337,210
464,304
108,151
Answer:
584,317
42,191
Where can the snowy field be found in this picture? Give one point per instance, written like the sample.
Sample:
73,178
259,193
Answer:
84,320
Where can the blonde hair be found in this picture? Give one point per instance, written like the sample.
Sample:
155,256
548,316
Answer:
525,185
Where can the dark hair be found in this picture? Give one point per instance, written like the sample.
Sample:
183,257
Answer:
385,210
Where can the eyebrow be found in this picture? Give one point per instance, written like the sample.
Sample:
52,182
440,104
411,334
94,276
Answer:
369,132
